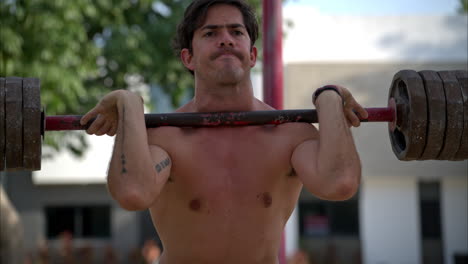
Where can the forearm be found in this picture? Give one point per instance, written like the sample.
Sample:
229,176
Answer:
131,175
338,161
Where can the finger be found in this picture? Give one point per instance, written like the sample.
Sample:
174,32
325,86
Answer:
113,130
361,111
88,116
357,108
104,129
96,125
343,92
352,118
361,114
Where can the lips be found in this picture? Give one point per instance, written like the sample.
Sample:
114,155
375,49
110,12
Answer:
226,55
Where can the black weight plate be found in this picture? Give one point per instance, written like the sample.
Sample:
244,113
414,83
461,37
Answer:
408,139
454,127
2,123
462,77
31,124
436,114
13,123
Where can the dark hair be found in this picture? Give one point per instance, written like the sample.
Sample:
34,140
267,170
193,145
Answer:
195,15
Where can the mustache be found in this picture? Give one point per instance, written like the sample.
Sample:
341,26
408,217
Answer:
226,50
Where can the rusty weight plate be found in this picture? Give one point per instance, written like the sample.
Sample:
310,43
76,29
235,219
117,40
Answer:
13,123
436,114
2,123
408,137
454,127
31,124
462,77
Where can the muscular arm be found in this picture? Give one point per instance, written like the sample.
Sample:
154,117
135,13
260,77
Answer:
329,166
137,171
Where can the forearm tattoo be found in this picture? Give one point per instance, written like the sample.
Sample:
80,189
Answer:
163,164
122,156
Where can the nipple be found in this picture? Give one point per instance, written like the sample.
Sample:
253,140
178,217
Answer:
195,205
266,199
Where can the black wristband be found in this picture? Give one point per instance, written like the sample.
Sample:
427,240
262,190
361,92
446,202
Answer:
325,88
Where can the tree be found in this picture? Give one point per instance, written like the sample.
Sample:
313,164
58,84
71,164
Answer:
463,9
82,49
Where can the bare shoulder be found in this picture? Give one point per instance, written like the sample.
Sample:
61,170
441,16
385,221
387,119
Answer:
159,135
261,106
163,136
300,132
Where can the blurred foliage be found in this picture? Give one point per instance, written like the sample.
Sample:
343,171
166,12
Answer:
82,49
463,9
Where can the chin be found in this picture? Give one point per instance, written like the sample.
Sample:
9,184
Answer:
232,76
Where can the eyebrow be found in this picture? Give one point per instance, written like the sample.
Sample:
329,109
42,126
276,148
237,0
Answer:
235,25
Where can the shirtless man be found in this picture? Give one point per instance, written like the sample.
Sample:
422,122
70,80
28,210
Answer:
223,195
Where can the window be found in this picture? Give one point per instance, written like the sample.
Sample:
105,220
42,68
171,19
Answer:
344,218
322,218
429,202
431,224
81,221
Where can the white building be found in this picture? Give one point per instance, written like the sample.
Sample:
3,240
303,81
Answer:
408,212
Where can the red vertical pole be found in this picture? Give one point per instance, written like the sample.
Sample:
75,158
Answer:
272,53
273,68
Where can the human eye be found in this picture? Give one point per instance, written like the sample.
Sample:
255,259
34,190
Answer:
208,34
238,33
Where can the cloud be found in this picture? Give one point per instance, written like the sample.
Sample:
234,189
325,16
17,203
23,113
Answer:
315,37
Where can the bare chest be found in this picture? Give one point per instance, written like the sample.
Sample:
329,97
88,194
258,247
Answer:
231,151
230,162
236,181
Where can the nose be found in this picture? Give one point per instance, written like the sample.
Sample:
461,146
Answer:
226,39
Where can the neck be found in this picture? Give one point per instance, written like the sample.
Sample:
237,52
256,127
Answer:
223,98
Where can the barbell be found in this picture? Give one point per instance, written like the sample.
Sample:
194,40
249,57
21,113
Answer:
427,114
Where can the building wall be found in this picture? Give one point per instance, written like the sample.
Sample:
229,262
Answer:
455,216
390,220
31,199
389,207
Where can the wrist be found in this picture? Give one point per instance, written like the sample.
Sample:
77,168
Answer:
125,96
329,98
327,89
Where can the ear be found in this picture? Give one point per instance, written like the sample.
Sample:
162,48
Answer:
186,58
253,56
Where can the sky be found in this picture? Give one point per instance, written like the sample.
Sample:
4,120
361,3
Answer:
373,30
376,7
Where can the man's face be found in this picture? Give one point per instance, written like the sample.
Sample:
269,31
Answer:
221,47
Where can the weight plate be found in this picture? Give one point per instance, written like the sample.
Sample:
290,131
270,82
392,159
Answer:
2,123
408,138
435,97
454,127
31,124
462,77
13,123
